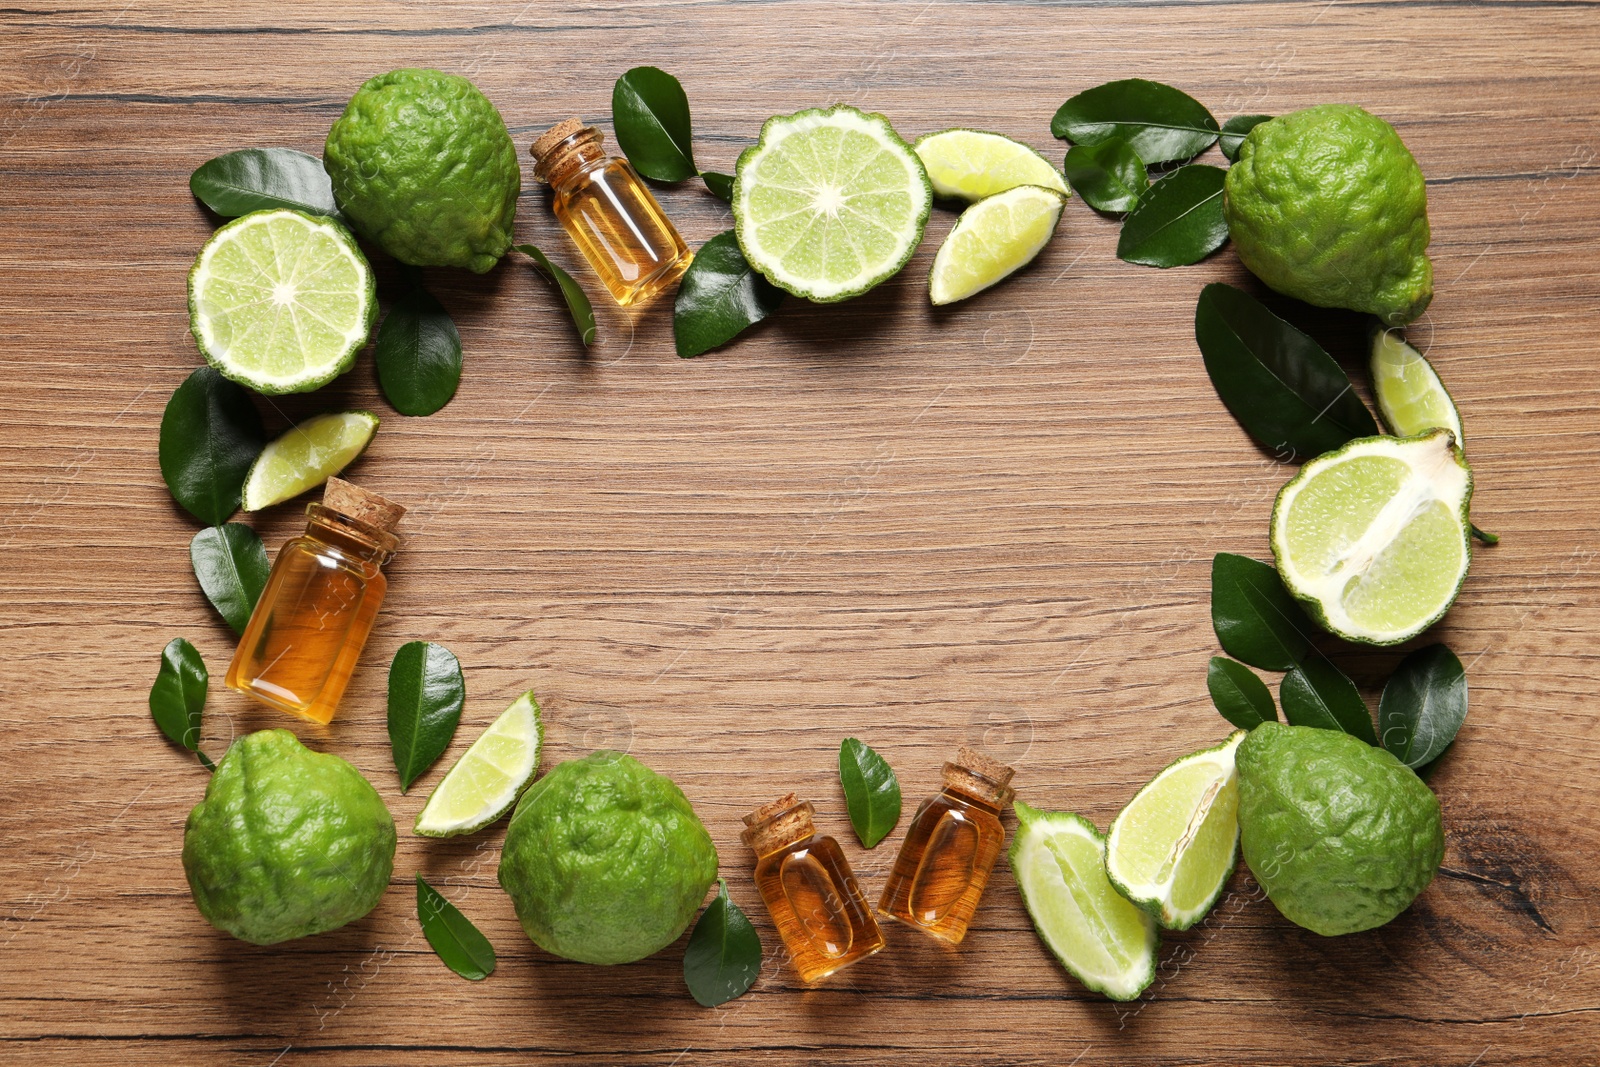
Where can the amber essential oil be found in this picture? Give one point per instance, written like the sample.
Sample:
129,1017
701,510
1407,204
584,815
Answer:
950,848
805,881
609,213
319,604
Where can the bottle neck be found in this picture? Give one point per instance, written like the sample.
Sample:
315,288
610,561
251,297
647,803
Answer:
972,786
574,156
782,824
350,536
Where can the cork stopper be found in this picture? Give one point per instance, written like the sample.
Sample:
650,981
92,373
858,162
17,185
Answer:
552,137
977,775
779,823
356,503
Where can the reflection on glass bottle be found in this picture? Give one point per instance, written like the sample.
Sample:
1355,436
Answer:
320,601
950,848
813,898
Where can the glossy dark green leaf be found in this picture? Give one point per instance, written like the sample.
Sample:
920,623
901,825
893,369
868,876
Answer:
1241,697
1109,176
231,567
1283,388
721,185
418,354
871,791
210,434
1255,618
426,692
178,696
577,303
720,296
1161,123
1423,706
1178,220
1318,694
256,179
457,942
1234,131
723,959
651,115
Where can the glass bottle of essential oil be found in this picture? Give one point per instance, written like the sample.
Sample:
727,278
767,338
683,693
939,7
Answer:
609,213
950,848
320,601
814,900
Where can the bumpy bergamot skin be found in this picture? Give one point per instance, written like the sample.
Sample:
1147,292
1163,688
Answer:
422,165
605,860
1327,205
287,842
1340,834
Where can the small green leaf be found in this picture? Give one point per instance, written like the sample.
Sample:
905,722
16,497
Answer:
1316,693
1486,537
1234,131
457,942
720,296
1161,123
721,185
1423,706
1283,388
418,354
1255,618
256,179
210,434
426,693
1109,176
1178,221
577,303
723,959
231,566
1241,697
651,115
178,696
871,791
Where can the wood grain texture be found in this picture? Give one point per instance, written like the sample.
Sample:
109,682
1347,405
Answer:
991,523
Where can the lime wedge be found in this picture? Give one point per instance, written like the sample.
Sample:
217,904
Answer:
1171,850
1374,537
1105,942
972,164
993,238
281,301
829,202
489,777
1411,398
306,455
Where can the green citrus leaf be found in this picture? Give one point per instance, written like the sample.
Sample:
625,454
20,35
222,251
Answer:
178,696
1486,537
1109,176
1234,131
426,693
1318,694
721,185
231,566
651,115
578,305
1255,617
457,942
1423,705
1161,123
210,434
418,354
1178,221
1283,388
871,791
1241,697
723,959
256,179
720,296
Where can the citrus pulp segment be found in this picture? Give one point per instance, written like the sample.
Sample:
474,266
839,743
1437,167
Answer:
306,455
972,164
992,239
489,777
1410,396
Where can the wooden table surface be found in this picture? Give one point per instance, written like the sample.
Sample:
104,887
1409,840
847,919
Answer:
991,523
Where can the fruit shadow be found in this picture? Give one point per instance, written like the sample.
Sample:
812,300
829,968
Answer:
296,987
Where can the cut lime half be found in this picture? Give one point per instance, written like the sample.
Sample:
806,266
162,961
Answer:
1411,398
1374,537
489,777
992,239
829,202
306,455
1171,850
281,301
1106,942
972,164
